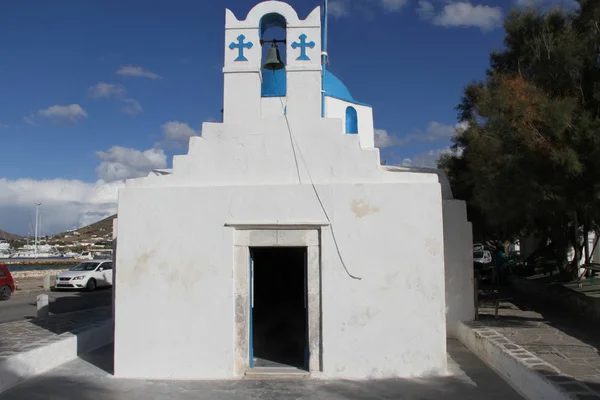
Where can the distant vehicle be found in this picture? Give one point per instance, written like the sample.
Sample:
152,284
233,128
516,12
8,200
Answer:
482,257
87,275
7,284
103,254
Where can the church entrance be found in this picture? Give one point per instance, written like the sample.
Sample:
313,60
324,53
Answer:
278,309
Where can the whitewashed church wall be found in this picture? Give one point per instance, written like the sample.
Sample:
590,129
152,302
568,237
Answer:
261,153
458,258
336,108
272,106
174,274
241,99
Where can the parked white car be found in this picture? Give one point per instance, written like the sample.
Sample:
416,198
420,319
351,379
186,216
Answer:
86,275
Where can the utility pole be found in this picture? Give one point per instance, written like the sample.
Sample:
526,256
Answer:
37,207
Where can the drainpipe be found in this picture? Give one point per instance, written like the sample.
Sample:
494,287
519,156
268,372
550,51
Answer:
324,58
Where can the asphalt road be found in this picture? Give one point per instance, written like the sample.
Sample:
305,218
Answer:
24,306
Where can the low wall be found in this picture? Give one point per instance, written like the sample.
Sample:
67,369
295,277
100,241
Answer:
559,296
22,366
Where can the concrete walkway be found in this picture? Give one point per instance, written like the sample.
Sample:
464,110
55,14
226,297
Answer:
32,347
21,336
89,378
562,349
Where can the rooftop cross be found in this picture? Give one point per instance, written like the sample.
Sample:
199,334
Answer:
240,45
303,45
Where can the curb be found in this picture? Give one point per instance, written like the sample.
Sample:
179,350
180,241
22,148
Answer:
531,376
22,366
21,292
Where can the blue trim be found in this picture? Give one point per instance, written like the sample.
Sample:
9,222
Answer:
303,44
240,45
351,120
323,57
274,83
358,103
250,330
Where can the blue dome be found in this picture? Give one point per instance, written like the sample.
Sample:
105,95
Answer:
273,83
335,88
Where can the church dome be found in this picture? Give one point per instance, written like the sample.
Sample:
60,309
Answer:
334,87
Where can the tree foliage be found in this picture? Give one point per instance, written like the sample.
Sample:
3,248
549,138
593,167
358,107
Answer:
529,160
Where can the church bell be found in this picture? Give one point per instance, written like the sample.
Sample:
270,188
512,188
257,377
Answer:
273,61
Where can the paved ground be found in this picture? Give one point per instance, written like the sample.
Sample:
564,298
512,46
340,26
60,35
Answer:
88,379
23,306
20,336
569,344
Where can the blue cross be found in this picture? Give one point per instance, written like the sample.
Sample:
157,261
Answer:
240,45
303,45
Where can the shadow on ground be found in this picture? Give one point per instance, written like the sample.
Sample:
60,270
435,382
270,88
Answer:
87,379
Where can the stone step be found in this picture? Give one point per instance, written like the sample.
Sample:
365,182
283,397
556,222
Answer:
275,373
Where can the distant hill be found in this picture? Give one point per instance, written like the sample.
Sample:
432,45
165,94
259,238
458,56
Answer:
105,225
9,236
98,231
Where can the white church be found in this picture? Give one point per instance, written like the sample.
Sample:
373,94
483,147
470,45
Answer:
279,242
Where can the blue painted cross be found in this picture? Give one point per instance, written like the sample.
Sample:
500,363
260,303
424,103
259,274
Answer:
240,45
303,45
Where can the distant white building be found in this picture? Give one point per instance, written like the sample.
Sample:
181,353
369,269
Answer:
279,239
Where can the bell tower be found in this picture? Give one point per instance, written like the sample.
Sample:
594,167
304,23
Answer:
252,90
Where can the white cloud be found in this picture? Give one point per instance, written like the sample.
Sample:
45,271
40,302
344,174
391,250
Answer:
434,131
70,113
106,90
568,5
427,159
131,107
175,131
66,204
425,9
113,91
337,8
30,120
341,8
462,14
120,163
393,5
131,70
384,139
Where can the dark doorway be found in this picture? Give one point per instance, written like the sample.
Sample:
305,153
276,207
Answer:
279,319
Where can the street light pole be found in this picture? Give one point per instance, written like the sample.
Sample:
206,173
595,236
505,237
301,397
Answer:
37,206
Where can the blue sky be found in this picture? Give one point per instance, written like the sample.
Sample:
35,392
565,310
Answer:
94,92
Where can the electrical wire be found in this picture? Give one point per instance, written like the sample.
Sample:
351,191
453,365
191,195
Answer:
293,141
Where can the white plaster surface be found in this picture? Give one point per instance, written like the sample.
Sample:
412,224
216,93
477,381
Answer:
458,255
336,108
186,250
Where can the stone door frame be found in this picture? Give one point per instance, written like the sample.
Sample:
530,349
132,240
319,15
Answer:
246,236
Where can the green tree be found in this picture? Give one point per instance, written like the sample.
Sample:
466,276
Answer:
529,161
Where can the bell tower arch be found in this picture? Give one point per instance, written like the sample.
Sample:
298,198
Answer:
246,91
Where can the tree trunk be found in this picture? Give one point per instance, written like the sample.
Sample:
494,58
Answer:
574,273
586,241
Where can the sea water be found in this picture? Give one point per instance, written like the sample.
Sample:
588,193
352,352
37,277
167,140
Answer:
15,268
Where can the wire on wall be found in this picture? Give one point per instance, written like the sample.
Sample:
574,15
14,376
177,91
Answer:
294,144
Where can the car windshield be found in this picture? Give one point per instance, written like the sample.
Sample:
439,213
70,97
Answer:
85,267
478,254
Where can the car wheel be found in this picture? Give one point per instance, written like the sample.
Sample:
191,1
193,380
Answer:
5,293
91,285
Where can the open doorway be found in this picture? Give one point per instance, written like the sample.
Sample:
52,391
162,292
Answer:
278,315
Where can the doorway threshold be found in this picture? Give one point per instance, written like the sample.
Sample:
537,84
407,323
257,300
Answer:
270,369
